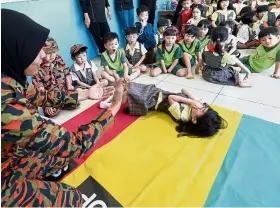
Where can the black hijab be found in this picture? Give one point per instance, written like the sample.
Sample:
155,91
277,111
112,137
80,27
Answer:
21,41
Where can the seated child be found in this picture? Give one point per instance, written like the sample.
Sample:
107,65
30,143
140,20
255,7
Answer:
217,62
231,42
270,17
184,15
225,11
209,9
197,11
277,22
205,28
146,35
191,50
260,12
83,71
267,54
162,24
113,59
195,118
134,51
168,55
52,75
245,36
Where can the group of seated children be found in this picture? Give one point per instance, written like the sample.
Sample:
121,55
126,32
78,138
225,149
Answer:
204,41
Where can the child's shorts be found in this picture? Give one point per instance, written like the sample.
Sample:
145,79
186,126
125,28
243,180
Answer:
121,72
245,61
174,70
192,59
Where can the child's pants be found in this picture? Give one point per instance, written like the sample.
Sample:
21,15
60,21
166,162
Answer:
98,30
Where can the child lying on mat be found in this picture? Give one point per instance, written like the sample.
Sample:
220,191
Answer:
194,117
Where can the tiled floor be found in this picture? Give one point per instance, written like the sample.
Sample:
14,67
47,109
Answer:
262,100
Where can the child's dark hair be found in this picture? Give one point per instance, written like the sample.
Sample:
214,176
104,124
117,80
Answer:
82,50
278,17
192,30
205,23
131,31
268,31
207,125
230,5
262,8
110,36
198,6
248,18
219,34
168,32
163,22
141,9
228,23
244,10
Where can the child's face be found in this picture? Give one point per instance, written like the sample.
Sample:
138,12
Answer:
198,110
50,57
188,38
224,4
203,31
260,15
186,4
143,17
269,41
161,29
81,58
170,40
196,13
255,18
112,46
197,1
132,38
277,23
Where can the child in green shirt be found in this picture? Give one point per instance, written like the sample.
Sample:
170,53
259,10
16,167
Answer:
267,54
113,59
168,55
191,50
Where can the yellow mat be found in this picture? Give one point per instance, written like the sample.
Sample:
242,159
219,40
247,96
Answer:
147,165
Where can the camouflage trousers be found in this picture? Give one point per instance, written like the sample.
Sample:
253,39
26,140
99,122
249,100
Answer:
24,186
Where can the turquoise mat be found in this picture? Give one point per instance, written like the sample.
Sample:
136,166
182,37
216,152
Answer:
250,174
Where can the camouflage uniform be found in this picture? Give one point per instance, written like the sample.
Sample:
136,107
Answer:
34,148
53,76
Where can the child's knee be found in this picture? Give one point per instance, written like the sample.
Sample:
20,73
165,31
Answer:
154,73
143,68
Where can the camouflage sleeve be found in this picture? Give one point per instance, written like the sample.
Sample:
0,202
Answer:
33,132
53,98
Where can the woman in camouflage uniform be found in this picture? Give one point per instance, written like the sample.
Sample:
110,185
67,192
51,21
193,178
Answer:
34,148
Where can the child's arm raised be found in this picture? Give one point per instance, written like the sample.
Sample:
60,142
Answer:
179,99
276,73
186,92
